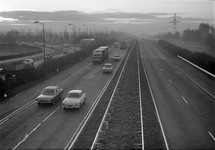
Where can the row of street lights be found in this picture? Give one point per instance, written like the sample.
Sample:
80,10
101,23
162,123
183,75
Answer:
66,29
44,47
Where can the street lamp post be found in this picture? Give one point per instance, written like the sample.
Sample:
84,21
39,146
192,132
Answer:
43,38
106,32
166,32
12,40
74,36
87,28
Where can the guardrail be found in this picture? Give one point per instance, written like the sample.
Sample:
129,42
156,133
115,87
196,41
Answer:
196,66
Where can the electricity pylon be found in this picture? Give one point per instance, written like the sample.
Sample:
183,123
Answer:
174,23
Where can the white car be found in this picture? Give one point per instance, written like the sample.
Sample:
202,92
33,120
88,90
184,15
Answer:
74,99
116,57
108,68
29,62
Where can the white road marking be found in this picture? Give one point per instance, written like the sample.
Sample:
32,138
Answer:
51,114
159,120
211,135
27,135
185,73
170,81
2,121
161,69
185,100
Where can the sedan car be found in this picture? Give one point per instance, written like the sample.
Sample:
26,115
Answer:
108,68
50,94
29,62
74,99
116,57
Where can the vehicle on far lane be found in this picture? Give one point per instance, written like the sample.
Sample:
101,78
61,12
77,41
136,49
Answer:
48,57
116,57
116,45
50,94
108,68
74,99
29,62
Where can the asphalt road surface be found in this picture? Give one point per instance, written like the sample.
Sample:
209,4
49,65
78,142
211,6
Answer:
184,97
25,125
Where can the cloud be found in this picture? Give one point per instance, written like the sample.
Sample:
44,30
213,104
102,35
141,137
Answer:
77,16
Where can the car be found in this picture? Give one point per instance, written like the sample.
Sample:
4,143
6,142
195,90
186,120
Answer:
24,43
116,45
50,95
108,68
116,57
48,56
29,62
74,99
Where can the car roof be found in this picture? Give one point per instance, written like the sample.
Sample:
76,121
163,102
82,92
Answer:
75,91
108,64
28,59
51,87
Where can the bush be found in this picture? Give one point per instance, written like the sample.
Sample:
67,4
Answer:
202,60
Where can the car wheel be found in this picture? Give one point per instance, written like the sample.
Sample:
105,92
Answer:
84,100
39,104
53,102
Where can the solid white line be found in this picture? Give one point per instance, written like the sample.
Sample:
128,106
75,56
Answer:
140,98
2,121
185,100
164,136
17,111
211,135
185,73
101,123
86,118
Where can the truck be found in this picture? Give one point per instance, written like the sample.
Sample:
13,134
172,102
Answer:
123,45
100,54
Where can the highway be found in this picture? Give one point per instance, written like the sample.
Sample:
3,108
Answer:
25,125
184,98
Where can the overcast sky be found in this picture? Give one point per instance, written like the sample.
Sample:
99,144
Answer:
125,15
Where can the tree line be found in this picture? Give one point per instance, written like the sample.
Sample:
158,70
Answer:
204,34
52,37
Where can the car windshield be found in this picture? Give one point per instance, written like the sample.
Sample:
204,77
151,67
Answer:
108,65
48,92
70,95
116,55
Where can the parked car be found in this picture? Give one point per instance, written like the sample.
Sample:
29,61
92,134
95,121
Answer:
108,68
50,94
74,99
48,56
29,62
116,57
